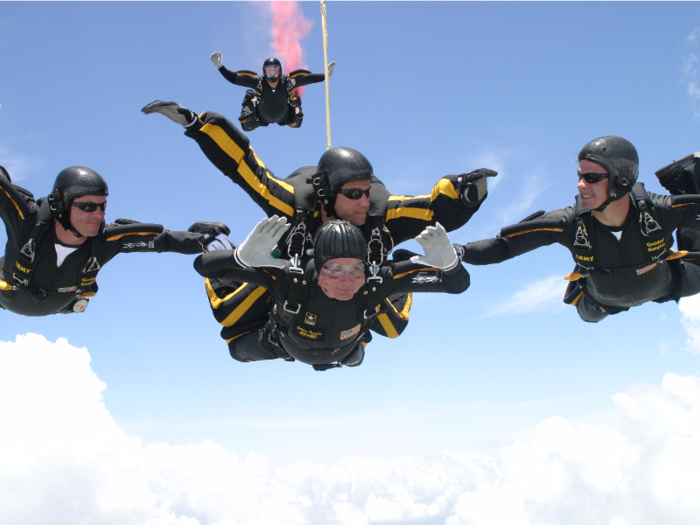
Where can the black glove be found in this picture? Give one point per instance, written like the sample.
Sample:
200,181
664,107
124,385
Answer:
209,227
324,367
209,232
472,186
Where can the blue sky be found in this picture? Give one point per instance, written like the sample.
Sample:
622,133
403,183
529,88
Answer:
423,89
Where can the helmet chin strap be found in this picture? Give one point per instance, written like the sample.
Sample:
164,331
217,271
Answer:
65,223
75,232
604,205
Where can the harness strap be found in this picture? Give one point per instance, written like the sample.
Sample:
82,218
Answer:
33,245
649,227
297,294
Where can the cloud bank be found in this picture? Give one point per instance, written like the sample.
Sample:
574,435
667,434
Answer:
690,319
64,460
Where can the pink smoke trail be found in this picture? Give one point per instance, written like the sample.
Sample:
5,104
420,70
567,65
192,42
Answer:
288,27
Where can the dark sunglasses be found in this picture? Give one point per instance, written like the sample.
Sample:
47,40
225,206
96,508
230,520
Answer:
89,207
592,178
354,194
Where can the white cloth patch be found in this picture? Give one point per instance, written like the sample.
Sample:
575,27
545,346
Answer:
61,253
425,279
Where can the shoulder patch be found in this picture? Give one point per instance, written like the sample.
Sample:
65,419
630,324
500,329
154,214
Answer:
347,334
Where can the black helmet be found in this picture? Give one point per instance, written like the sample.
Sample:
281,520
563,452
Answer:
71,183
336,240
272,62
620,158
340,165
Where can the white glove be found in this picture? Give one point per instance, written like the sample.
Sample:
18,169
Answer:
221,242
330,69
439,252
216,59
255,250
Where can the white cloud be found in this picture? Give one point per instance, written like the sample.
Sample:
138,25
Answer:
690,70
63,459
530,187
19,166
535,297
694,37
690,319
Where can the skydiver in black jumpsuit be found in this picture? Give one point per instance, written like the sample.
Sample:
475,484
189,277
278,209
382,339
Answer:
270,98
350,191
619,235
322,315
57,245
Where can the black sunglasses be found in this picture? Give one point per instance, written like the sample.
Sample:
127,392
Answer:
592,178
89,207
354,193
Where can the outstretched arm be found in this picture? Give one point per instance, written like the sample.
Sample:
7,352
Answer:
222,264
520,238
254,252
17,207
125,236
240,78
438,270
302,77
453,201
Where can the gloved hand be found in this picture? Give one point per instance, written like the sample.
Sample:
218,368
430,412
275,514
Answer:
330,69
210,232
216,59
439,252
473,186
220,242
255,250
209,227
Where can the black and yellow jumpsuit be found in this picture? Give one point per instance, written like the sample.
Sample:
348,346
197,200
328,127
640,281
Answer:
44,288
241,307
617,274
267,105
320,330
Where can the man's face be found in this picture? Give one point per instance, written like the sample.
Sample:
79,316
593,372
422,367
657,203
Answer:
272,71
341,278
353,211
593,195
87,223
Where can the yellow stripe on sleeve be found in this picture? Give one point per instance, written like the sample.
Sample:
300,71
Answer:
117,237
535,230
413,213
21,215
428,269
444,187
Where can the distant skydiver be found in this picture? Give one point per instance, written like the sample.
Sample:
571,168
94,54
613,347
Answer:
58,244
322,315
342,186
271,98
620,236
